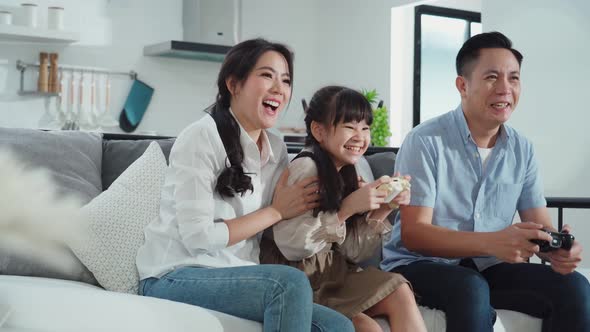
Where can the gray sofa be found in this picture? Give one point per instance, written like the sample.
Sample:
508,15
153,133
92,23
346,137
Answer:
85,164
82,164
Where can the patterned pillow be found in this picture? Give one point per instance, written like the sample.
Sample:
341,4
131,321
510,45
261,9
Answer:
117,218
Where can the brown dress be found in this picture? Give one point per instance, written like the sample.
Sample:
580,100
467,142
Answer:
321,247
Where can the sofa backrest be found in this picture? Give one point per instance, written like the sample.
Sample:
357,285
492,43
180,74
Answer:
120,151
72,157
118,154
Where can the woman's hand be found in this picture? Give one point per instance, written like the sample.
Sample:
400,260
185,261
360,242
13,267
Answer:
293,200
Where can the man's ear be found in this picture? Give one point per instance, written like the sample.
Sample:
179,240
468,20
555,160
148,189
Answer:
317,130
461,84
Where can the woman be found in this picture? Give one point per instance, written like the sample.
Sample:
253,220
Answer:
328,242
216,199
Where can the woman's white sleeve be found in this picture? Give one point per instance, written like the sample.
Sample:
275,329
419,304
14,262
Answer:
193,163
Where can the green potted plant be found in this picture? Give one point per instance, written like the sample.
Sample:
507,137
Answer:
380,131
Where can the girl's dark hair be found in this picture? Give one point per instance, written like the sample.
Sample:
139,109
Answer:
238,64
330,106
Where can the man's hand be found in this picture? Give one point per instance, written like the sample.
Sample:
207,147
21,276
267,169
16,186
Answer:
513,245
564,261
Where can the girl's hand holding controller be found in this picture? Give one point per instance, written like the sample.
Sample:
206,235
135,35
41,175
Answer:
394,187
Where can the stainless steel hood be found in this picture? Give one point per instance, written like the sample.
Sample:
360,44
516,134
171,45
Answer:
210,28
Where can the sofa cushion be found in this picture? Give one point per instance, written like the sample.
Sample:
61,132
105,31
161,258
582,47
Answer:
72,157
382,163
22,264
116,220
117,155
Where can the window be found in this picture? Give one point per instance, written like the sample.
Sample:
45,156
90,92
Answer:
439,33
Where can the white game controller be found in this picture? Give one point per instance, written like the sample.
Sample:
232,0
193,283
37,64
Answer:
393,188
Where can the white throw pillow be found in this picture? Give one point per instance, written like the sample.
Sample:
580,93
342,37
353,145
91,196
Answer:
117,218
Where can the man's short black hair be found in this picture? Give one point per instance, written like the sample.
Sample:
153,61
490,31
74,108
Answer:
469,52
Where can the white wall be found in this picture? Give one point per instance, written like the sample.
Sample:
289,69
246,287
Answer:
295,23
553,35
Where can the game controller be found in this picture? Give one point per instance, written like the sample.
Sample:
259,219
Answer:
393,188
558,241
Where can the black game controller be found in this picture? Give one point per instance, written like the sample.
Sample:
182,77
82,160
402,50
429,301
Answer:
558,240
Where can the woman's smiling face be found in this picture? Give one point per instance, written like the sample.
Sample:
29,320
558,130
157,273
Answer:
258,100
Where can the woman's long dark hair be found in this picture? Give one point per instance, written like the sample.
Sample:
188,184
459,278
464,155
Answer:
330,106
238,64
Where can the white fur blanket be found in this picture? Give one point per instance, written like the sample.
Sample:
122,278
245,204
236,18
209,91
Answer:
34,221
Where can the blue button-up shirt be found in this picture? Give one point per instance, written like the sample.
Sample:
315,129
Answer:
447,175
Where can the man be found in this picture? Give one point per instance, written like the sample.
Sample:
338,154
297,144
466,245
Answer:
470,173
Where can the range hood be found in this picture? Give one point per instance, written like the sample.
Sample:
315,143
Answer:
187,50
210,29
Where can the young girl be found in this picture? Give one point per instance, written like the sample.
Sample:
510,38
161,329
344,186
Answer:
203,249
327,242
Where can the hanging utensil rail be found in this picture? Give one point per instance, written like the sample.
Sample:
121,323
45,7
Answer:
22,67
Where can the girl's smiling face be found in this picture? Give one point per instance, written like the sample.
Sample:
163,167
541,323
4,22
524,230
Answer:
346,142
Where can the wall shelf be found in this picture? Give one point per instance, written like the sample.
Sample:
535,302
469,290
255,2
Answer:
17,33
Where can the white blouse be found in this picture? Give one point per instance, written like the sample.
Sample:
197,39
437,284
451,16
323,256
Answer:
304,236
191,230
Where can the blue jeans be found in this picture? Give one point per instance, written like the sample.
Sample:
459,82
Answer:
278,296
468,297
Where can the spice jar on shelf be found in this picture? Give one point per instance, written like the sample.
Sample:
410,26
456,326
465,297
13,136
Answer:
43,80
53,85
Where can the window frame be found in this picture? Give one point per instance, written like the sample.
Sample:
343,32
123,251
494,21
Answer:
469,16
